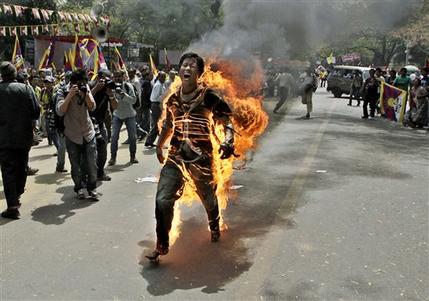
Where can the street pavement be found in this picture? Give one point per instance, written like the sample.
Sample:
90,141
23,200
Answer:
331,208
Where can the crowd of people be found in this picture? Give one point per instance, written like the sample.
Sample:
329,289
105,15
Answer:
77,116
415,86
367,90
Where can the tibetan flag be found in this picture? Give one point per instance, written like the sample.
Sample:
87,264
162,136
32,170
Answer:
50,58
67,63
17,58
120,63
167,61
77,58
101,60
43,60
152,66
393,102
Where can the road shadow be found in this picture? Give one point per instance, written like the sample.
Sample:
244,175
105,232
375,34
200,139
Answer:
57,214
52,178
196,263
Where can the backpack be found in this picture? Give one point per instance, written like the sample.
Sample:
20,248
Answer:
137,104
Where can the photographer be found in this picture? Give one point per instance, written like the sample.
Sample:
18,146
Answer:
79,132
103,95
124,113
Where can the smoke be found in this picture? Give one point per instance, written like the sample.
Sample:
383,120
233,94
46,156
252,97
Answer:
291,28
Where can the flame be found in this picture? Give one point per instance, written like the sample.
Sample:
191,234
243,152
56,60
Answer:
239,83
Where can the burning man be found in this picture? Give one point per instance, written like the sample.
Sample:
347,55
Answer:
191,114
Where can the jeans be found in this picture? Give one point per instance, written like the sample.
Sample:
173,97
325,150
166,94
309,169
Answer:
130,123
51,133
170,188
13,168
83,163
61,151
144,117
155,108
102,150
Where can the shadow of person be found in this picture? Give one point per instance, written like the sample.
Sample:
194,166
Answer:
56,214
52,178
195,262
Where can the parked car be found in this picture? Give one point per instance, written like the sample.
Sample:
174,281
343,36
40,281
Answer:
340,79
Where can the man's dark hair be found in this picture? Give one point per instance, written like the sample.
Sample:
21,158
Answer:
403,69
193,55
78,75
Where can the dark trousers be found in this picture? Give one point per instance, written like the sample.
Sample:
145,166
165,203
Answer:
102,150
143,117
83,158
155,109
13,168
283,95
170,188
354,93
372,104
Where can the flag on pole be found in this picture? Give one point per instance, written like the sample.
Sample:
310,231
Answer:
167,61
152,66
67,63
120,62
331,59
392,102
17,58
50,58
77,58
43,60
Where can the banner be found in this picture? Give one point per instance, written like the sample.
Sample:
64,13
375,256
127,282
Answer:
393,102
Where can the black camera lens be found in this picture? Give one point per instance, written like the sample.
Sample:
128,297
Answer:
110,83
83,88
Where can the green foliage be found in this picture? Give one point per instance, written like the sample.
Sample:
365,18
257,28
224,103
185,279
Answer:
161,23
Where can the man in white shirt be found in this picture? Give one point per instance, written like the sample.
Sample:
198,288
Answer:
155,108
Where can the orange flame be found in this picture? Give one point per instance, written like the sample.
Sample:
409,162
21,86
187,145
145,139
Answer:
240,84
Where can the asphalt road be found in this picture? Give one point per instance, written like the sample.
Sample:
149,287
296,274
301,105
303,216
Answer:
331,208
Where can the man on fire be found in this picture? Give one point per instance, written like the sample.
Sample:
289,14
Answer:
191,115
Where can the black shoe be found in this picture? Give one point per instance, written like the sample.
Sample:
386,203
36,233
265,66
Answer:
111,162
104,177
307,115
364,117
61,169
349,104
11,214
133,160
214,235
32,171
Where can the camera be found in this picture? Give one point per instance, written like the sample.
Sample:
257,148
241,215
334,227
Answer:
83,88
112,85
109,83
